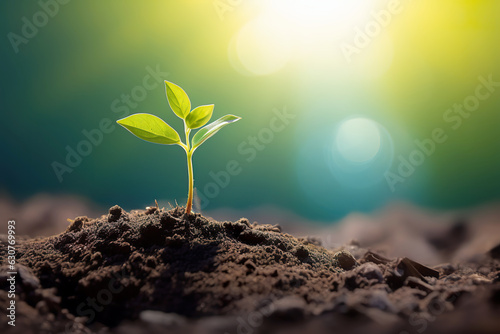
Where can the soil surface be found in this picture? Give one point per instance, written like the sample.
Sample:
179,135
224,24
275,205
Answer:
155,270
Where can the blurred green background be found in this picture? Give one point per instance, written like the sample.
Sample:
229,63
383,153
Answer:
363,80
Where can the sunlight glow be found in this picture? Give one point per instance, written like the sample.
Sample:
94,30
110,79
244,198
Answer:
318,13
262,47
285,30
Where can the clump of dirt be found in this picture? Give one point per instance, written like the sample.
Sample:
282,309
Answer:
156,269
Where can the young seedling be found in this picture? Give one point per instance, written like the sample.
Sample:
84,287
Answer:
153,129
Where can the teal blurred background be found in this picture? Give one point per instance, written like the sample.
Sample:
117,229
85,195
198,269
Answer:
360,80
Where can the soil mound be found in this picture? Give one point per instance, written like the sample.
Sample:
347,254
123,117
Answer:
154,269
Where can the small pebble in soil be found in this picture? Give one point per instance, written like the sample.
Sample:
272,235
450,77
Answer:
346,260
150,210
77,224
115,212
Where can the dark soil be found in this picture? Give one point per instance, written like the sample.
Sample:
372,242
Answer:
157,271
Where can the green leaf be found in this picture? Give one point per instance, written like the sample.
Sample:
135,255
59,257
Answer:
150,128
212,128
178,100
199,116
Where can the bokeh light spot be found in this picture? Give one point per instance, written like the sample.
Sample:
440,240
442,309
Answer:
358,139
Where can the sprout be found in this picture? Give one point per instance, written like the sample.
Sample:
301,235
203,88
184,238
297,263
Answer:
153,129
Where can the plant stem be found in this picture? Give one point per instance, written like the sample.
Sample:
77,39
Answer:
189,204
189,154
